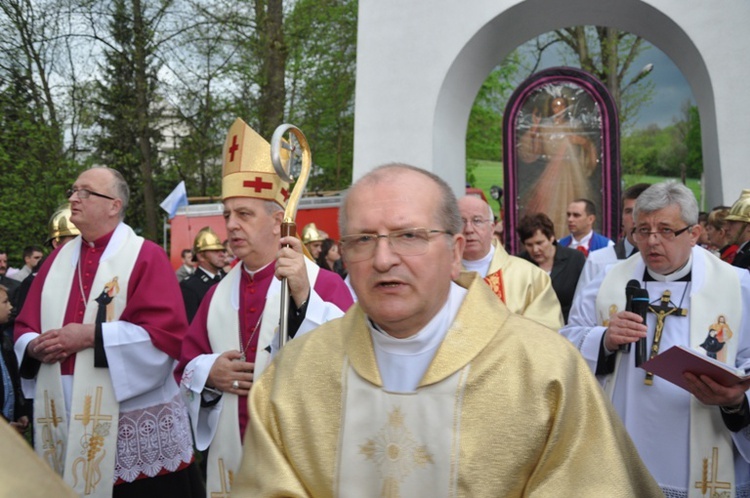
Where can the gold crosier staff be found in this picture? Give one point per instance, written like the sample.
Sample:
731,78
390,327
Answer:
288,226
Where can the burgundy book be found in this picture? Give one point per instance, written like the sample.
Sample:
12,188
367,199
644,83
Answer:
675,361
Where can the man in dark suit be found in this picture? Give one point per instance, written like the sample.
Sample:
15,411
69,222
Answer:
209,252
738,227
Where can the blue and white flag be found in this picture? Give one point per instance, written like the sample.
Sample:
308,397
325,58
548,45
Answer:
177,198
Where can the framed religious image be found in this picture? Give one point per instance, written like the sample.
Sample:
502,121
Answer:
560,144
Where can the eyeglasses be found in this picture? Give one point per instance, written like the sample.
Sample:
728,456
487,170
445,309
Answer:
476,221
643,234
408,242
85,193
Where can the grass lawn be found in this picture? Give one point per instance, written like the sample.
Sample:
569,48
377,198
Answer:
489,173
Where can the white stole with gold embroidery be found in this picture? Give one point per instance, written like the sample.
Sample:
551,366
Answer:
223,326
83,449
711,454
390,445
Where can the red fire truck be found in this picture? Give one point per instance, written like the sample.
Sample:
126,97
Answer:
323,210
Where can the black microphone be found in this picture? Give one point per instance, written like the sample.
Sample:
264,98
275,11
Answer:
639,305
631,288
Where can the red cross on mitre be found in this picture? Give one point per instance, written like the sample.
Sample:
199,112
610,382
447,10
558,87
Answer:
233,148
258,184
285,194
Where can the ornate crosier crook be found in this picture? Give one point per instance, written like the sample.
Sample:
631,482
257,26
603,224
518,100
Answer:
282,154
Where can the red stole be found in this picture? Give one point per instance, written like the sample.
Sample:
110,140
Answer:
495,281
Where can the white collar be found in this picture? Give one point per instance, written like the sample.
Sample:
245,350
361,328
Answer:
253,272
583,242
675,275
430,336
480,265
212,275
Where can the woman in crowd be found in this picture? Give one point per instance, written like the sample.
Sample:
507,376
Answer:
330,257
562,264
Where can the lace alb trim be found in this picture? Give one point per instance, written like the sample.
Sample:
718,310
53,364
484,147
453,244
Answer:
152,439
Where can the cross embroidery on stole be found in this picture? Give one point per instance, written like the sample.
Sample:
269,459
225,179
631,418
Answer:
662,311
224,493
93,442
712,484
396,453
52,449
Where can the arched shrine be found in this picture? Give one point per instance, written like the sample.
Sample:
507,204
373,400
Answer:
421,64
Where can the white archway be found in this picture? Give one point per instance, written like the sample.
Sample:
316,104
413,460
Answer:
421,64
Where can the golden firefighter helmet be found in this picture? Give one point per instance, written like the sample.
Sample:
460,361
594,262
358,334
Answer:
741,209
207,240
310,233
60,225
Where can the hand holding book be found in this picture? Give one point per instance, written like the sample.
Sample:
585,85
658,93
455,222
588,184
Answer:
674,362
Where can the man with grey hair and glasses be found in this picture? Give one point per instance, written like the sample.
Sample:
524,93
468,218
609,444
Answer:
692,440
522,286
97,341
419,389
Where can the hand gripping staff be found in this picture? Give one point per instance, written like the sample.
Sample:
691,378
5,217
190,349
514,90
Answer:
282,154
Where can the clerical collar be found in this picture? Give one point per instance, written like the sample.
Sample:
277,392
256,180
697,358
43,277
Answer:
481,265
252,273
100,242
430,336
681,275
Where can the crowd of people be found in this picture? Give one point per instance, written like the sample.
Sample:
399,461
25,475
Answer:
422,359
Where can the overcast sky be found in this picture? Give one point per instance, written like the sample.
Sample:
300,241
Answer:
670,92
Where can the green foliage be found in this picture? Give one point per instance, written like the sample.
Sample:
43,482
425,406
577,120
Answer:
484,137
117,141
34,174
322,39
693,144
672,151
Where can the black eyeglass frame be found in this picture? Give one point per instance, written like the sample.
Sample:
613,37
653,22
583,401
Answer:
88,193
660,233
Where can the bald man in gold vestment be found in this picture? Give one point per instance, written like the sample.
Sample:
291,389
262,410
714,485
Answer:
521,285
429,385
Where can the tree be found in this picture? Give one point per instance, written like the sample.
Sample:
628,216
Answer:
129,111
690,135
608,54
322,38
484,136
197,111
33,163
33,181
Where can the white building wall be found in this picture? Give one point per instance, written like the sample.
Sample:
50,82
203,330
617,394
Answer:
420,64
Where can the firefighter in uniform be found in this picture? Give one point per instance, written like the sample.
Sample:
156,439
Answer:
738,227
313,239
209,252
